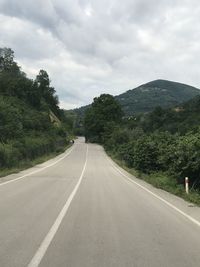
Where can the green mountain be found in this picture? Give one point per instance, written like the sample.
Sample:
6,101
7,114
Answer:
146,97
156,93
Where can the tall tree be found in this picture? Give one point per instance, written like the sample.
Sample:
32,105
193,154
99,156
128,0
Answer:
7,62
104,110
47,92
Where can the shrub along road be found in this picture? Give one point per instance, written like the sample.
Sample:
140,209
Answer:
80,209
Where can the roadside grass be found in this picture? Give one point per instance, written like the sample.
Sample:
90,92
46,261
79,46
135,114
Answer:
25,164
162,181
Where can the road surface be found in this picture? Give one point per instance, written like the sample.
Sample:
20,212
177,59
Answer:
81,210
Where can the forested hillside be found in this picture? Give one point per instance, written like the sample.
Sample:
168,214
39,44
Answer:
31,122
156,93
164,144
146,97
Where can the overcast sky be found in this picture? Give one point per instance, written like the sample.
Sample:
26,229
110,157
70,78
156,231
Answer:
103,46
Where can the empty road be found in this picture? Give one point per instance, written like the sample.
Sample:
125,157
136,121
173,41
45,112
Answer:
81,210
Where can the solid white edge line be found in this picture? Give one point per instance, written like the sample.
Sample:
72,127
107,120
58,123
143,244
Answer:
155,195
50,235
28,174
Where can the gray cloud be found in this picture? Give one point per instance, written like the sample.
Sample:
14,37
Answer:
91,47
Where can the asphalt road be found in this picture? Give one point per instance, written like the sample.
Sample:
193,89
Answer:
81,210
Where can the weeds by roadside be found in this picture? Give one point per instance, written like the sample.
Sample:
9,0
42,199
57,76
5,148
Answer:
30,163
162,181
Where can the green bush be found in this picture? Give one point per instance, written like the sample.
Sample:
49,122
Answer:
185,157
28,148
125,152
179,156
146,153
9,156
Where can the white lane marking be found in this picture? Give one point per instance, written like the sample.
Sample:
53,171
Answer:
49,237
28,174
156,196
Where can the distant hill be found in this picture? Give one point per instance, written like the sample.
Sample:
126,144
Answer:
185,118
156,93
150,95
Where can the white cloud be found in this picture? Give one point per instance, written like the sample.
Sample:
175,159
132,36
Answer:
92,47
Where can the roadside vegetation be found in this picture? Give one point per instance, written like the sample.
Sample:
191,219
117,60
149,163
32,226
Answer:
24,164
161,147
31,123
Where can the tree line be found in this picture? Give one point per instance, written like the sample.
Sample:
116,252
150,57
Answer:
165,142
26,130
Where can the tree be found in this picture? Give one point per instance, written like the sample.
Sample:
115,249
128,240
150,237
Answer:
7,62
43,80
47,92
10,73
10,120
104,110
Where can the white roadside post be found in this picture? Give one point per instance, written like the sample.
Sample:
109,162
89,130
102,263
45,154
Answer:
187,185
